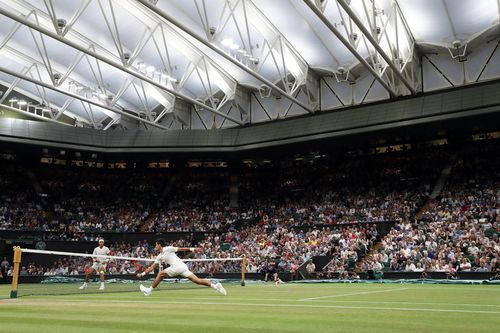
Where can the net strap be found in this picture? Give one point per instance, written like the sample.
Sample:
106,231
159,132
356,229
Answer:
75,254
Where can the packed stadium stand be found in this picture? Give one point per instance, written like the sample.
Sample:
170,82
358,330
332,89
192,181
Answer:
331,208
458,230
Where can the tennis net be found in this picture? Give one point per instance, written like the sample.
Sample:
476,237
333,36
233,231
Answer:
43,272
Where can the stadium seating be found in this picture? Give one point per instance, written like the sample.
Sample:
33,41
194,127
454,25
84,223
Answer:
459,230
291,214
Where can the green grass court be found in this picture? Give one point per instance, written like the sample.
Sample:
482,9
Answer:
370,308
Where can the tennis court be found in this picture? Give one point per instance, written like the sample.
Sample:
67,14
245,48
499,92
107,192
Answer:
263,308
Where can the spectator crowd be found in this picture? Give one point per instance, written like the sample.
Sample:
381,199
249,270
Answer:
283,217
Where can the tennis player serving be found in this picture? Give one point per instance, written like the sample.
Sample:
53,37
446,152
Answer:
176,267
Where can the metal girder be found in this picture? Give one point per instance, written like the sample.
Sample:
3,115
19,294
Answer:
11,33
323,39
120,67
41,96
65,106
216,49
113,28
348,45
242,102
14,84
181,43
275,50
489,58
33,115
75,17
89,101
269,31
213,78
31,61
376,45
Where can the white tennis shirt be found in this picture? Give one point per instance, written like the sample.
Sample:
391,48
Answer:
168,256
104,251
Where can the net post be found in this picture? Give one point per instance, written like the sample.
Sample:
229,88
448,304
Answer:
243,270
15,274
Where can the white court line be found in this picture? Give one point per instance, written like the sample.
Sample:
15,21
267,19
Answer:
412,303
352,294
261,305
208,298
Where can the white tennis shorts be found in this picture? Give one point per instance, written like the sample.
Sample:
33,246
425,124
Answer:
178,270
97,265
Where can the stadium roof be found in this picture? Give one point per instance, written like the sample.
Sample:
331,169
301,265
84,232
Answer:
204,64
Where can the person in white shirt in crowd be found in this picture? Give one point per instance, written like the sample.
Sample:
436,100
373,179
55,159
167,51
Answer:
465,265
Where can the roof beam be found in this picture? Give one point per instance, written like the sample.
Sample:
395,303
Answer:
34,116
42,100
17,55
120,67
215,48
14,84
376,45
83,99
348,45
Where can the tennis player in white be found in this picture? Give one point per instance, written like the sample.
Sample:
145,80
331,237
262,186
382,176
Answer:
177,268
98,266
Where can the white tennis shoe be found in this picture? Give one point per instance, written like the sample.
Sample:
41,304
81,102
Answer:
145,291
83,286
220,289
101,287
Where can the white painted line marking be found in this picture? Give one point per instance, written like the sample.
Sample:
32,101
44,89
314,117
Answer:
411,303
261,305
352,294
92,298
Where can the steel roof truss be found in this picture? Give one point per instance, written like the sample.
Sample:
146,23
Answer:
81,98
42,52
76,60
187,30
64,107
146,36
41,90
37,27
351,48
374,35
90,114
112,27
14,84
12,32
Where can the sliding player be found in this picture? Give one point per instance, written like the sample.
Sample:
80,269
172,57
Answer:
99,265
177,268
